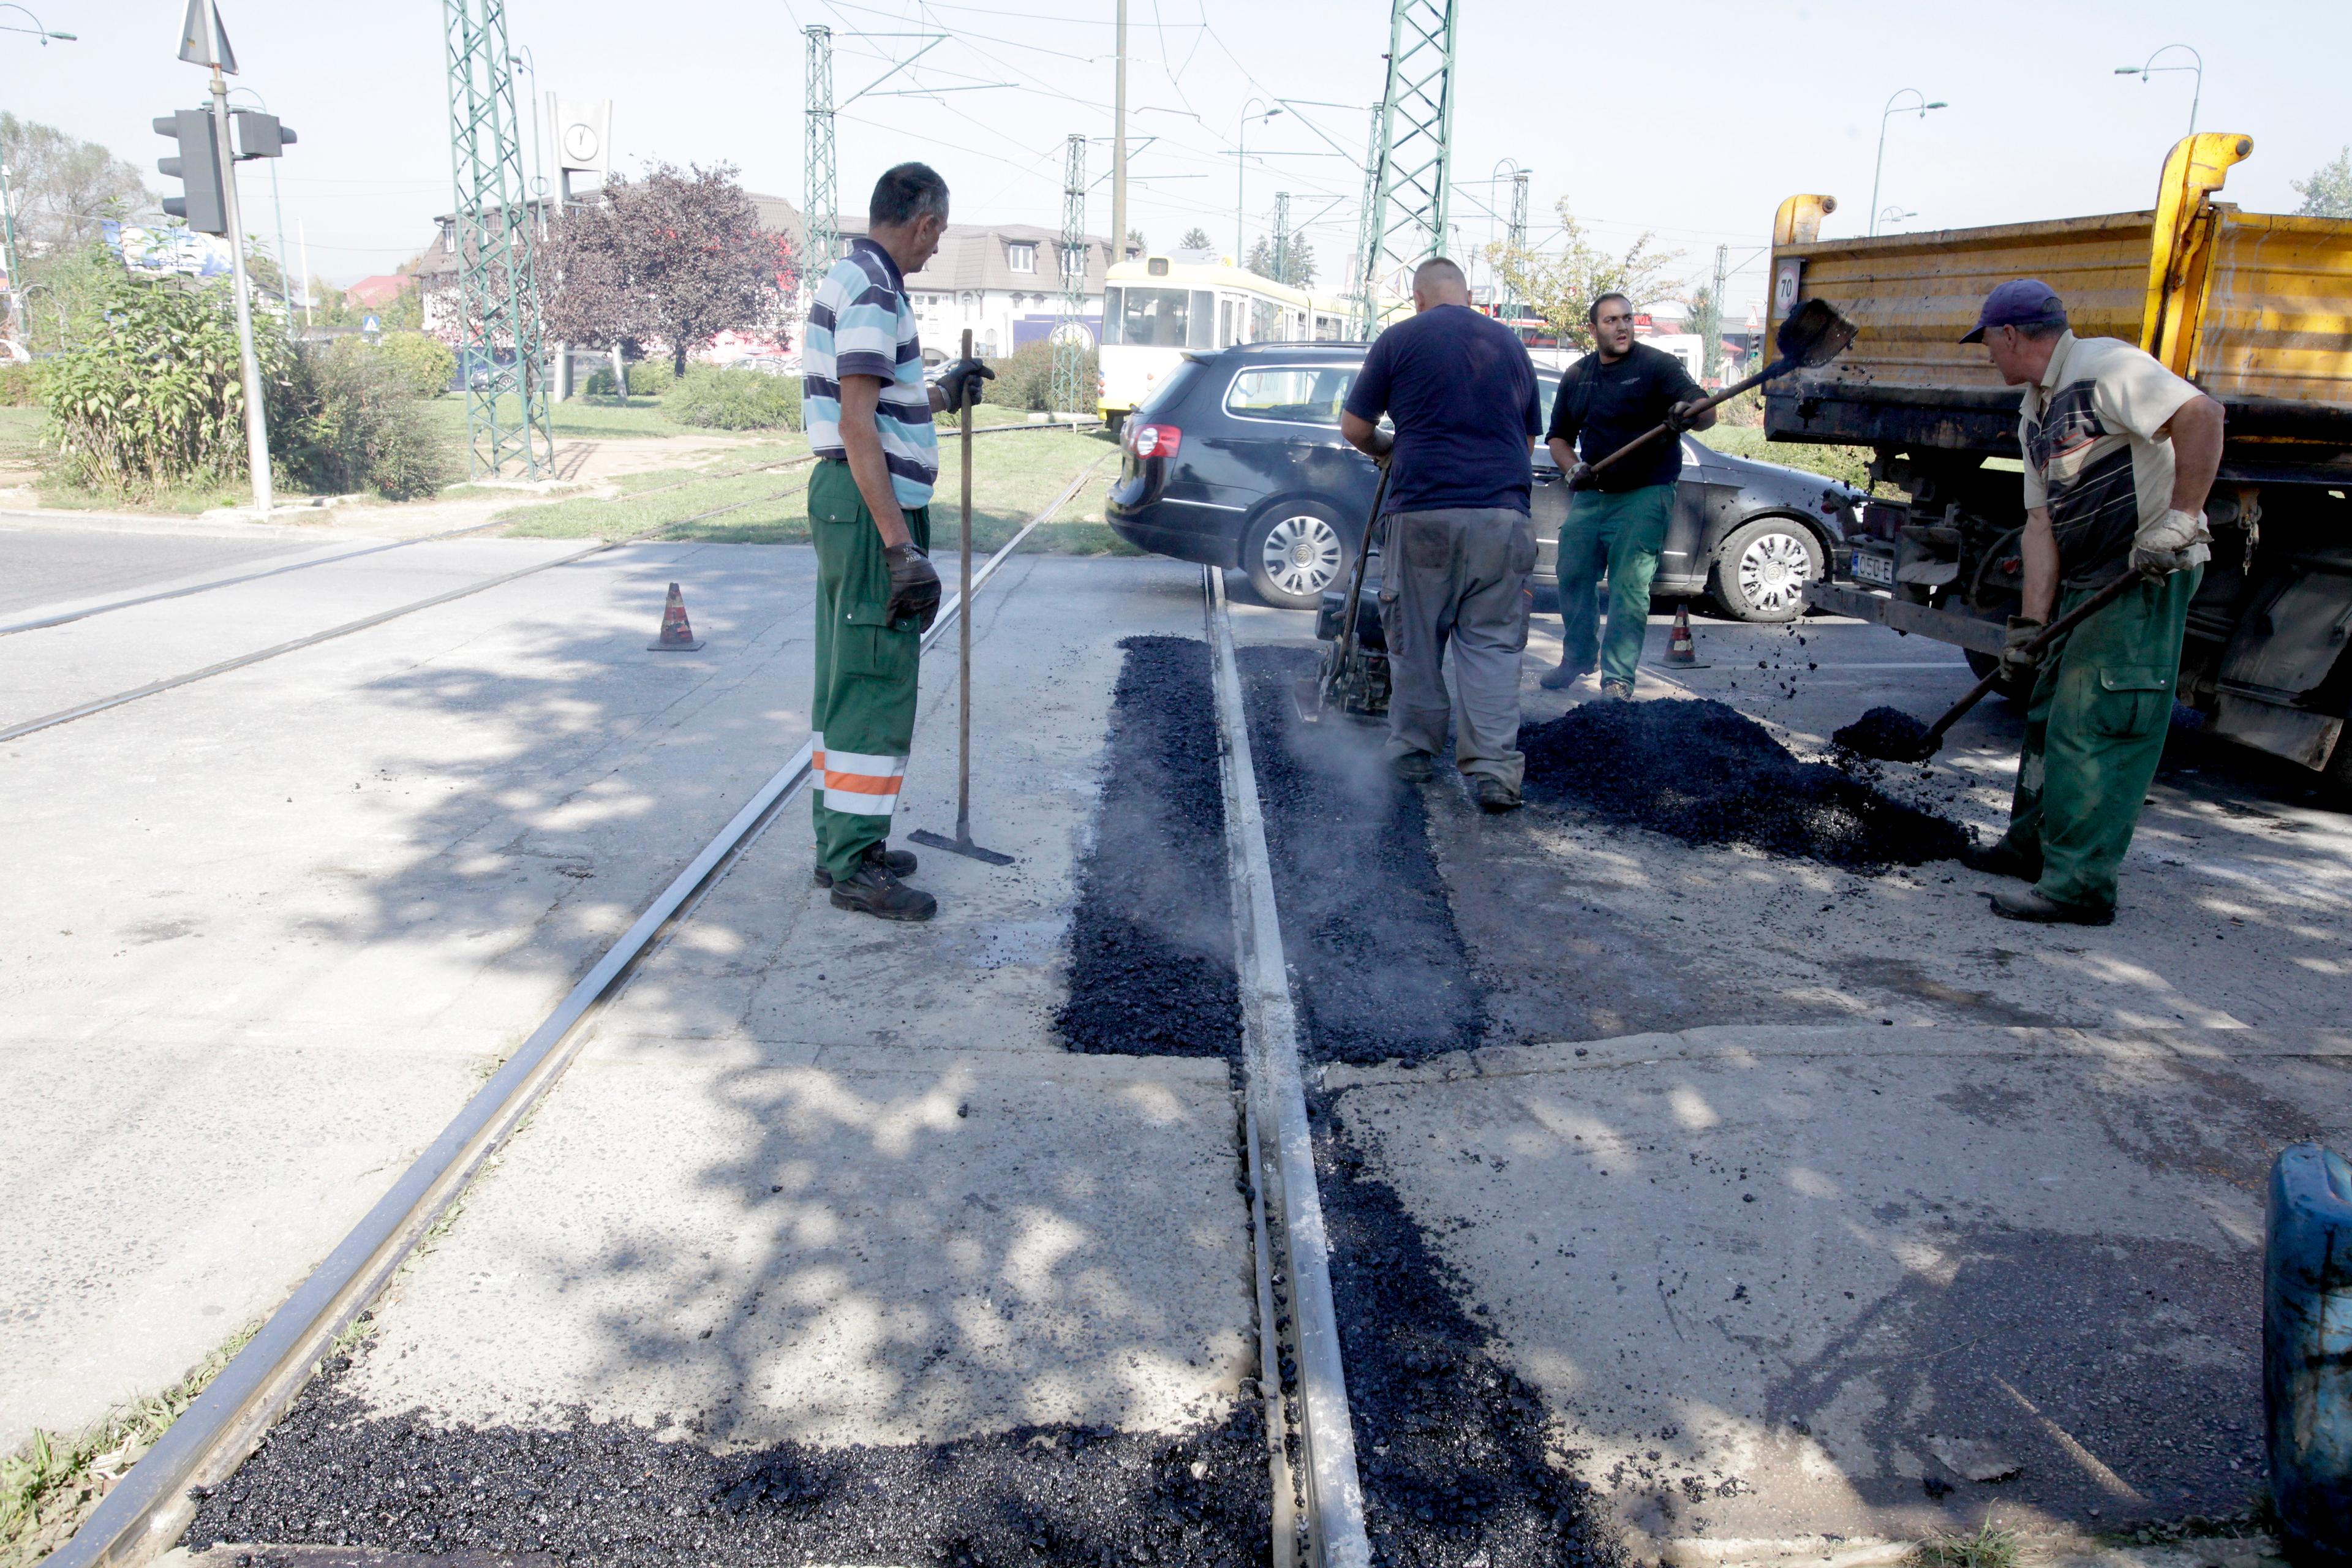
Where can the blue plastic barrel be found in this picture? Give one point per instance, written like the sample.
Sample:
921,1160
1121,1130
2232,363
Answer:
2307,1353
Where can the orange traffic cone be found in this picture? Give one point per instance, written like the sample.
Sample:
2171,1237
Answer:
676,635
1680,651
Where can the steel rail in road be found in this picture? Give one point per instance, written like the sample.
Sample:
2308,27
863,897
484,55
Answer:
11,628
148,1507
171,682
1281,1156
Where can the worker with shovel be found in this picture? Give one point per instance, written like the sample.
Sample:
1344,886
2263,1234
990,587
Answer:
869,422
1608,399
1462,394
2119,453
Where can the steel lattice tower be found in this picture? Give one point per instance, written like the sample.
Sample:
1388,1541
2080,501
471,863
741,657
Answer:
1413,159
1360,261
506,418
1282,236
1514,236
1069,333
823,215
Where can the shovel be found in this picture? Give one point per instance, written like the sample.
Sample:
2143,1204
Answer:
1896,736
1815,335
1312,697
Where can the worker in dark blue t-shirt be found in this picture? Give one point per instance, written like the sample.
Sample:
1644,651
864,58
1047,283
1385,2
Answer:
1462,394
1607,398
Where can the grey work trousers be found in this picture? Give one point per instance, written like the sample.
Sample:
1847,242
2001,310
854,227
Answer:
1457,576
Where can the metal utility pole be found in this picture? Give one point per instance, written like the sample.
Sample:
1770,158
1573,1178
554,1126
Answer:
1069,332
1413,157
823,215
277,207
1119,148
1241,172
507,422
1367,211
1711,363
203,41
1282,236
1515,236
1879,167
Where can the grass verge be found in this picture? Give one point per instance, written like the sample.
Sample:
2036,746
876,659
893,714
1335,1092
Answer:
50,1484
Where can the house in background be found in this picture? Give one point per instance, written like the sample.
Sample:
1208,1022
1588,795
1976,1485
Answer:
375,293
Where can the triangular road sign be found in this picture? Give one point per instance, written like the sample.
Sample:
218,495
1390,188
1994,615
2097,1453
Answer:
198,34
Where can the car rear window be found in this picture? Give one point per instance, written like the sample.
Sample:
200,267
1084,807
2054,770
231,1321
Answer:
1293,395
1170,388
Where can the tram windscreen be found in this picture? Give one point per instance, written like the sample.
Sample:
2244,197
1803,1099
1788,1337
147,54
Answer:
1148,318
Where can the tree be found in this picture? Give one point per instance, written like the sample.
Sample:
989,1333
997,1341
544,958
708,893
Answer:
677,255
1297,268
1195,238
1707,321
64,187
1135,242
2328,192
1560,287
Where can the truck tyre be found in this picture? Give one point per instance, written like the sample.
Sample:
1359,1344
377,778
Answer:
1762,568
2011,690
1294,551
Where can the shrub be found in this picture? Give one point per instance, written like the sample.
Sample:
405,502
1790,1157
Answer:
1025,379
356,424
651,378
426,365
19,384
714,399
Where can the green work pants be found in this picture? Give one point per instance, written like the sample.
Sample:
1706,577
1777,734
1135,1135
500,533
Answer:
863,715
2094,733
1627,529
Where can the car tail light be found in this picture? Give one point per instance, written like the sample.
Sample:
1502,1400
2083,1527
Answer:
1154,440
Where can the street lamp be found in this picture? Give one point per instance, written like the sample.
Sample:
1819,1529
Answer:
7,202
1241,168
2196,93
1894,215
1923,106
524,59
285,298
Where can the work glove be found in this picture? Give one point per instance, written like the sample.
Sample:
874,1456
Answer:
1679,418
2172,542
914,586
962,380
2016,662
1580,477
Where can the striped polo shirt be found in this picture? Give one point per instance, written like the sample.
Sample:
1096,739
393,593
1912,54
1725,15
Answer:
860,323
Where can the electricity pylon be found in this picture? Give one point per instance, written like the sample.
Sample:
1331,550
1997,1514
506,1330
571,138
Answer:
507,422
823,214
1413,160
1069,332
1282,236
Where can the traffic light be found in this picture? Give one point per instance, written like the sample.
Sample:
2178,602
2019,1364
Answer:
260,136
203,204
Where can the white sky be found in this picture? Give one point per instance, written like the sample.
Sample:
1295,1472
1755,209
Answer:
1693,120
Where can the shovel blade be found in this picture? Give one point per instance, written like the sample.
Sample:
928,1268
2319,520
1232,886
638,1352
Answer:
1307,696
964,846
1815,335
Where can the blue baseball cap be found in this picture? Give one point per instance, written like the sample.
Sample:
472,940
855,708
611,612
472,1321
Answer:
2020,303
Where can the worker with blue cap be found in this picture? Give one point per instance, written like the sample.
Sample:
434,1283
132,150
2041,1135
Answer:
2119,453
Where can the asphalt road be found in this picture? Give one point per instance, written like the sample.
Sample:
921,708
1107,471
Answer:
42,563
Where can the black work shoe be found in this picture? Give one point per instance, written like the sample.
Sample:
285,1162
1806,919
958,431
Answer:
1999,858
1622,690
877,890
2026,904
900,862
1413,767
1563,675
1492,794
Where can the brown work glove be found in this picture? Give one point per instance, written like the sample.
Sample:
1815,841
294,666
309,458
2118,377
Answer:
1678,419
1580,477
914,586
2017,662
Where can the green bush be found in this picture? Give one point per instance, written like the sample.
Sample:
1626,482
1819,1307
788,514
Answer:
1025,379
154,395
357,424
426,365
19,386
711,398
648,378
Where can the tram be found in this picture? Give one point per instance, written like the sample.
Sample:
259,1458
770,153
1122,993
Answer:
1158,307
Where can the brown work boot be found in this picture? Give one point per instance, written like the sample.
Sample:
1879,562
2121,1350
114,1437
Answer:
877,890
1622,690
2000,858
1492,794
2027,904
1563,675
1413,767
900,862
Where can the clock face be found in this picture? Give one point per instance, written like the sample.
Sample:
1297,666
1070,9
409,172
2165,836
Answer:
581,144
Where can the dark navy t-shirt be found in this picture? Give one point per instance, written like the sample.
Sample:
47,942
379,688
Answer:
1462,395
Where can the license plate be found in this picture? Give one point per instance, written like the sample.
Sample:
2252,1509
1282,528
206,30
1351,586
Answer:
1868,568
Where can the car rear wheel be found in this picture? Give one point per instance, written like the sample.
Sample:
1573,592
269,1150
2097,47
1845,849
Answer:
1762,567
1295,551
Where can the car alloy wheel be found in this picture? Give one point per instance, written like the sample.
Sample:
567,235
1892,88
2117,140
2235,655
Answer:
1761,572
1301,556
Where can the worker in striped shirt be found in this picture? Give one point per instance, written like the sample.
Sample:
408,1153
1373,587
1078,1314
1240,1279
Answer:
869,422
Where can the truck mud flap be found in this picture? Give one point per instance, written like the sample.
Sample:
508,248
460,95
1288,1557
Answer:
1970,632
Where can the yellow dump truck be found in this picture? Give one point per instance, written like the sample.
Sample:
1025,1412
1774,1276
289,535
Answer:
2255,309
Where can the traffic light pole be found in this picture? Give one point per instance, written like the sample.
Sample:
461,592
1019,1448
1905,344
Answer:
257,419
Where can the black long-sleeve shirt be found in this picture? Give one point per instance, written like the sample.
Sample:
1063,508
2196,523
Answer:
1609,404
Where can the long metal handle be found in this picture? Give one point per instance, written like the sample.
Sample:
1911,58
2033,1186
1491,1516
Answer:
963,623
2042,640
1355,587
1778,367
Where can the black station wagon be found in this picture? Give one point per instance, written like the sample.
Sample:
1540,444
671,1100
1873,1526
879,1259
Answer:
1236,460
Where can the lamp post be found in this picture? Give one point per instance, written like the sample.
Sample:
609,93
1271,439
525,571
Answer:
2196,93
1241,168
277,209
1923,106
524,57
7,200
1894,215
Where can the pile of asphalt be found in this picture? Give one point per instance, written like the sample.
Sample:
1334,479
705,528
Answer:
1885,732
1449,1441
1707,774
1151,940
1382,972
611,1495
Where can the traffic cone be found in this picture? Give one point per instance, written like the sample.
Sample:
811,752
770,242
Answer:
1680,651
676,635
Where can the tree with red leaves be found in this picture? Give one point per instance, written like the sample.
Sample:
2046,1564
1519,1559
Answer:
677,255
